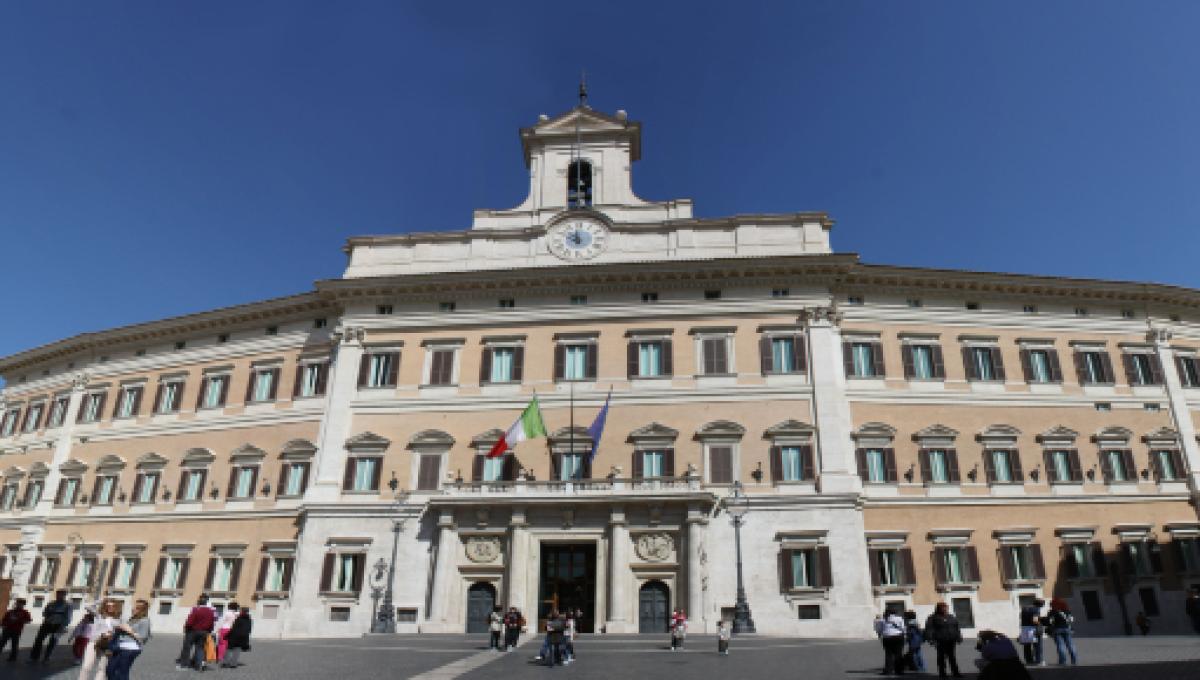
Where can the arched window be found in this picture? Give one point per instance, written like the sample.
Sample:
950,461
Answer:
579,184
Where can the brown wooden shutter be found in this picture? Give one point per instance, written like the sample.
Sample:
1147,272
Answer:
906,358
153,479
508,471
560,362
322,377
485,366
304,467
667,362
908,574
428,472
158,572
364,371
1156,370
989,466
593,360
1014,459
785,570
1106,470
776,455
939,362
848,357
997,363
801,352
1181,367
348,475
477,468
1155,550
1081,371
209,573
555,466
138,481
288,564
1006,566
926,467
1180,467
360,565
184,564
1106,364
518,365
720,469
631,359
233,474
877,367
636,465
860,457
235,573
1070,564
824,568
137,402
973,563
62,489
113,564
1130,368
263,565
765,359
71,572
283,475
969,367
952,471
275,373
393,376
78,416
1131,470
327,573
873,567
1026,365
1056,374
939,566
1036,561
379,472
175,403
889,461
668,462
37,565
203,388
1076,468
96,488
183,476
808,466
298,381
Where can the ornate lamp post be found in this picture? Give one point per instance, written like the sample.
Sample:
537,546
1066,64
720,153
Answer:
385,614
737,504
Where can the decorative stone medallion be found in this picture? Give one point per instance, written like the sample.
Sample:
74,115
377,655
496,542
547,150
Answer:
483,549
655,547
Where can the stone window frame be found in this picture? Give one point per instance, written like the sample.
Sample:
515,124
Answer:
94,394
335,548
395,348
969,344
490,343
70,469
876,436
146,465
80,554
1071,536
938,437
137,385
245,457
173,551
1054,373
634,338
429,443
38,472
195,460
110,466
937,357
295,451
1165,439
481,444
588,339
323,362
720,433
1079,348
650,438
363,446
705,333
1116,438
1001,437
42,579
1061,438
960,539
1129,350
273,367
1140,534
122,552
766,337
221,552
1009,538
897,541
10,420
1185,531
796,433
177,378
60,397
10,488
225,373
32,425
815,542
432,346
271,552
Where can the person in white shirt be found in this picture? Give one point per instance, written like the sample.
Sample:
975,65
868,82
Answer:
890,629
227,618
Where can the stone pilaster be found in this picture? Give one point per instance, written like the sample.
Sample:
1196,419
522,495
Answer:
336,419
619,578
62,445
518,559
831,409
443,571
697,525
1181,417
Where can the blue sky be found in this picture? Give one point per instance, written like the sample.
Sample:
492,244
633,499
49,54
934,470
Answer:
160,158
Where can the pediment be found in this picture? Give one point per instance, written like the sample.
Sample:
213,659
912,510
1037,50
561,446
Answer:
248,452
298,448
72,467
999,434
654,431
586,119
198,456
427,439
368,441
1058,433
937,431
873,430
1163,436
488,438
13,472
151,460
39,469
789,428
1113,434
110,462
720,428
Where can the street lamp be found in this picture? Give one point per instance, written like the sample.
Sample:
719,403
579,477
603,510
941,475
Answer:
737,504
385,615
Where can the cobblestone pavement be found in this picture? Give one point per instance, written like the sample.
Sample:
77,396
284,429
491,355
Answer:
447,657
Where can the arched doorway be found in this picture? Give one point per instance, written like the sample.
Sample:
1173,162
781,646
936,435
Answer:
654,607
481,599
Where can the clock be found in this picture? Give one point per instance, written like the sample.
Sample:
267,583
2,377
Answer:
577,239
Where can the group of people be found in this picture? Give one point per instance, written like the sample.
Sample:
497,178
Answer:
558,647
102,642
903,639
209,640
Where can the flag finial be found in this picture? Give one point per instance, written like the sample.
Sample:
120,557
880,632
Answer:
583,89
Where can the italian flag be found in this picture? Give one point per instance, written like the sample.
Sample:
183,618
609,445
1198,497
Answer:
528,426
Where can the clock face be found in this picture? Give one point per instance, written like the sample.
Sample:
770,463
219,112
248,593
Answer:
577,239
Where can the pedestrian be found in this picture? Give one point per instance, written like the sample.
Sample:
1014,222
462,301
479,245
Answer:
723,638
81,635
55,617
889,628
943,632
1031,632
1192,608
678,629
999,659
196,629
129,639
1143,623
239,639
495,622
569,637
232,610
95,656
555,628
1061,623
914,639
514,622
12,624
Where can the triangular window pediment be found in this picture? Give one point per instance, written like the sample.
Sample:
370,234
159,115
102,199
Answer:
39,469
247,452
487,439
110,462
653,431
1113,435
72,467
368,441
1163,436
151,461
197,457
875,430
1058,433
587,120
298,446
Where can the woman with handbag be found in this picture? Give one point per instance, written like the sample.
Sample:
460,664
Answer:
128,641
95,657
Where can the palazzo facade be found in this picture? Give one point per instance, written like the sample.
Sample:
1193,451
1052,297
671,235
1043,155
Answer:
903,435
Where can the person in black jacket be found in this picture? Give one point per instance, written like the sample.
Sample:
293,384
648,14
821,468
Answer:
942,631
238,639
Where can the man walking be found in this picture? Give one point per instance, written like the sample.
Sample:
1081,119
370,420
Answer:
196,629
12,624
55,617
942,629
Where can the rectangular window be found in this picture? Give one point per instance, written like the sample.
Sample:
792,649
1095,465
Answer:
1081,554
502,364
863,358
792,463
981,363
650,362
365,474
1061,467
68,490
295,475
10,422
441,366
123,571
223,574
92,404
939,466
429,472
213,391
575,362
1188,550
146,485
243,481
278,575
58,412
922,361
876,465
493,469
131,396
9,496
1093,367
1165,461
570,466
84,568
1091,605
720,461
1039,366
346,577
380,369
105,486
649,297
33,493
1142,369
191,487
1002,465
1189,370
963,611
1138,558
312,379
714,353
652,464
804,568
173,571
888,563
954,564
784,355
1115,464
263,385
33,417
1021,562
169,396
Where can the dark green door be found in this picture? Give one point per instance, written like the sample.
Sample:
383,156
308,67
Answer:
653,607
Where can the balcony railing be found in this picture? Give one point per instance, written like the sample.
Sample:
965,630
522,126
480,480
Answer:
577,487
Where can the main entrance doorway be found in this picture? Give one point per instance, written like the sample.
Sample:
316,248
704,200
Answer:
568,581
653,607
481,598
